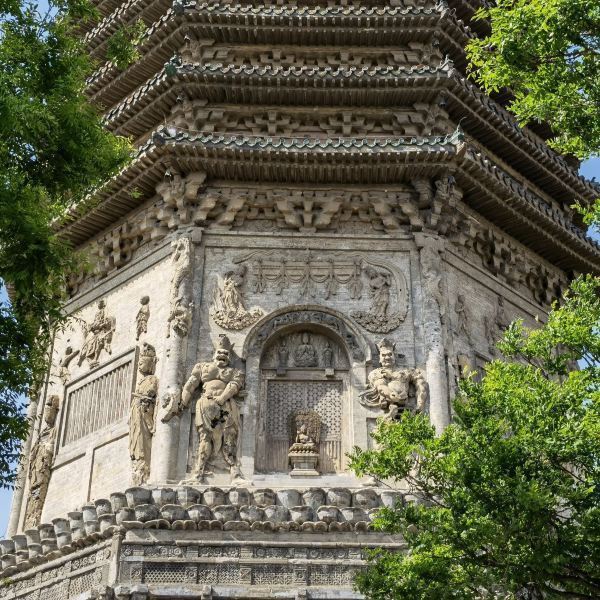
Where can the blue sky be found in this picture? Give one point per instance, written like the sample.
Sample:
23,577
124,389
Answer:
589,169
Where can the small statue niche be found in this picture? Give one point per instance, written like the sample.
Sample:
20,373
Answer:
305,430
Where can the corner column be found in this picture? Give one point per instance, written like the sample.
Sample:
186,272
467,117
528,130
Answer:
433,313
165,442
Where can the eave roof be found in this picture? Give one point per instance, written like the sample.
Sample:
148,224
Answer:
487,188
353,86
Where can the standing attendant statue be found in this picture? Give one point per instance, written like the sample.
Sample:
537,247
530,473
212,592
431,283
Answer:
40,464
217,413
141,416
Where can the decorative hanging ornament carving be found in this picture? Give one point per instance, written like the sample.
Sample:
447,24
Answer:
142,317
227,309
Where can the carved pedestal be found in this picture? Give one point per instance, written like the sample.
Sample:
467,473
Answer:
304,464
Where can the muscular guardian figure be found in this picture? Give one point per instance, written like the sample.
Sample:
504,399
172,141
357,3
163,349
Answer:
217,412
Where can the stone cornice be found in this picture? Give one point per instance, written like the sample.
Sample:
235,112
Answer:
196,509
357,86
487,187
252,157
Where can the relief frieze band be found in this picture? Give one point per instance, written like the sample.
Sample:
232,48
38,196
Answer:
308,277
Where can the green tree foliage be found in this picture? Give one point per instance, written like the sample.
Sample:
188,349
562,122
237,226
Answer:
511,489
53,150
547,53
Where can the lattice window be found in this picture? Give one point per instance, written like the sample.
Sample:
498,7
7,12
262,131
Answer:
165,573
224,573
98,400
272,575
285,398
331,575
82,583
208,574
58,591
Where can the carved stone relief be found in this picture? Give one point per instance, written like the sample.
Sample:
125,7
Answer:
98,336
142,317
305,354
377,319
304,350
463,318
227,309
40,464
217,411
495,325
432,282
141,416
323,278
393,389
180,315
64,372
305,430
507,260
315,317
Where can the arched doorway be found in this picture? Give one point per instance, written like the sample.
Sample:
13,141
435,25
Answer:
303,368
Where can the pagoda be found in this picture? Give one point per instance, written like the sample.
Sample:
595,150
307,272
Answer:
325,224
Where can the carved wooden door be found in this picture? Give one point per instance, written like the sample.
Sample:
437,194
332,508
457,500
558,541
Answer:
287,397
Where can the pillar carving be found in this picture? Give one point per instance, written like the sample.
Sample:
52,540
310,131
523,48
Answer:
433,318
166,436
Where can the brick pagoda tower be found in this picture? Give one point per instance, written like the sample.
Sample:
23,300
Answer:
324,223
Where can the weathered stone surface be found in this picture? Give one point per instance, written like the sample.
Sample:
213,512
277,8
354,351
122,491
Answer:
288,208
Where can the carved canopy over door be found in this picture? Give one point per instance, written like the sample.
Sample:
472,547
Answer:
301,372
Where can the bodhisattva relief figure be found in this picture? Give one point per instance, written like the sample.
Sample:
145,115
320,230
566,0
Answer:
228,308
377,319
98,337
142,317
389,388
462,318
494,326
217,412
64,372
141,416
40,464
305,354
